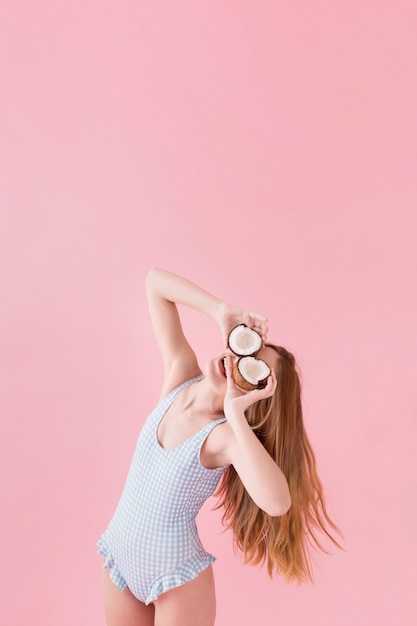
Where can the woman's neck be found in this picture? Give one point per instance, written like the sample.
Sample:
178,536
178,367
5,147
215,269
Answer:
200,397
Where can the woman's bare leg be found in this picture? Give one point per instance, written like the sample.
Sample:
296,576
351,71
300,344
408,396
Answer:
192,604
122,608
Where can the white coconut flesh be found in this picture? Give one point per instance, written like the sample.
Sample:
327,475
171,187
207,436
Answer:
253,370
244,341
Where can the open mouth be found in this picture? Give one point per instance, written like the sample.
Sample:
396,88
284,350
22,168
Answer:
222,367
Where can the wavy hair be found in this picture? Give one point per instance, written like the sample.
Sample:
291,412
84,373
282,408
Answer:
282,543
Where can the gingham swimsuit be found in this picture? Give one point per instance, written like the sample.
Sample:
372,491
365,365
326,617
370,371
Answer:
151,544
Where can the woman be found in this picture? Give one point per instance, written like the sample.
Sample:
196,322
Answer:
204,430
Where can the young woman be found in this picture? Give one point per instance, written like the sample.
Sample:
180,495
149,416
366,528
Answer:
204,430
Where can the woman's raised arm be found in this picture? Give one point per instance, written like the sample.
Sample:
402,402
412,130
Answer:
166,289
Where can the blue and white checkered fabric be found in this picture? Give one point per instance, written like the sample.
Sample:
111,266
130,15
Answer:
151,544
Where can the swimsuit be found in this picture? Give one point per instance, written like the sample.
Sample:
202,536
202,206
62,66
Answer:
151,544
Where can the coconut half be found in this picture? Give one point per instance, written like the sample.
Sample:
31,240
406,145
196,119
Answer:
250,373
244,341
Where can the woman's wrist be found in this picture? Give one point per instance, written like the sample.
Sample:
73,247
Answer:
235,416
219,310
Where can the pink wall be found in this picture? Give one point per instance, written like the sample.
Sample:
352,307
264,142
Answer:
266,150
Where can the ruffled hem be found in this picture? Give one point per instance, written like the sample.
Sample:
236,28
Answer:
115,575
181,575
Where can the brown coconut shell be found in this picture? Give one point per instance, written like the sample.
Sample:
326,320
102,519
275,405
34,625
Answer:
245,384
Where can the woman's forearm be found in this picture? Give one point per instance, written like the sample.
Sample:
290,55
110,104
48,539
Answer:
175,288
261,476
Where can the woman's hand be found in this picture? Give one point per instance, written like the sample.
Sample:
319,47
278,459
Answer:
237,400
229,316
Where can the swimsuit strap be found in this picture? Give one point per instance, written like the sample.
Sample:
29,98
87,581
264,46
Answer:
170,397
206,430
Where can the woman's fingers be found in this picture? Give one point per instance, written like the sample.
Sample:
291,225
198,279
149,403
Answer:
230,316
258,317
259,323
229,373
272,383
268,390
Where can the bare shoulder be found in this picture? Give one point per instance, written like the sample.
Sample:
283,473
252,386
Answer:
179,374
216,449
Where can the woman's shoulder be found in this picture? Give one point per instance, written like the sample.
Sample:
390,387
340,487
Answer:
173,383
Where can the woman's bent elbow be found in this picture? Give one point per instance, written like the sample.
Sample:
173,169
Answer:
281,508
151,272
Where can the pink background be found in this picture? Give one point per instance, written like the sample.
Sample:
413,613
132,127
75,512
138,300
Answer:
267,151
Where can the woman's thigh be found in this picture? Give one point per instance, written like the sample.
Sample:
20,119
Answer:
122,608
192,604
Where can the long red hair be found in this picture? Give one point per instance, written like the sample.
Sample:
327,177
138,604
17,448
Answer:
284,542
